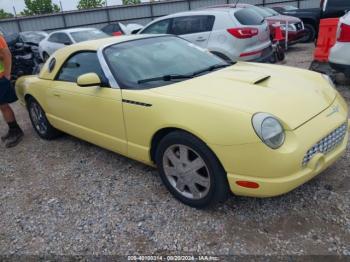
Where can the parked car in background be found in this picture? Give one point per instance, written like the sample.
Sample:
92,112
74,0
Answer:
339,57
232,34
132,29
311,16
62,38
114,29
283,8
296,31
210,127
25,54
118,29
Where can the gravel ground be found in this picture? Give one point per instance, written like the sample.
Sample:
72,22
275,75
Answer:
70,197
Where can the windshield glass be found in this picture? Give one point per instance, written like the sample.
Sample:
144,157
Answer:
86,35
290,8
169,58
261,11
271,11
33,37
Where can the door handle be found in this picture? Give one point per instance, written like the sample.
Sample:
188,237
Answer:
200,39
56,95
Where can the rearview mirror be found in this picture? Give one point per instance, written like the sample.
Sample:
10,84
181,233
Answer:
90,79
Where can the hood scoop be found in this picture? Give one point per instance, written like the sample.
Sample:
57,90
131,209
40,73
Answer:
252,78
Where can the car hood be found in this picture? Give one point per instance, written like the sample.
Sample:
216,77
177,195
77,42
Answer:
283,18
293,95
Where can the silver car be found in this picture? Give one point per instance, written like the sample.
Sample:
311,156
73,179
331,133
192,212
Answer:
230,33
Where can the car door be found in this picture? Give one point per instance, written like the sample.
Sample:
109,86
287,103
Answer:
196,28
91,113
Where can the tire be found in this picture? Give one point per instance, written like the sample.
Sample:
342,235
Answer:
311,34
39,121
212,185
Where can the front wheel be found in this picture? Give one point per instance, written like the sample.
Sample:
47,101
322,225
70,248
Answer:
190,170
39,121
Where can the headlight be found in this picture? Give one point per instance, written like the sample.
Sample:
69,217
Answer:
329,80
269,129
291,27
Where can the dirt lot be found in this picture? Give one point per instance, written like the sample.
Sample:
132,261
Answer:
70,197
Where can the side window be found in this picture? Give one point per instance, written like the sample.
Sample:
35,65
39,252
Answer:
192,24
53,38
108,29
79,64
160,27
60,38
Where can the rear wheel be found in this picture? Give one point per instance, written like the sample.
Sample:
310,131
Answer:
39,121
190,170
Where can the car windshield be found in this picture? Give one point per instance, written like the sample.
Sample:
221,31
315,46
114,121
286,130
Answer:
290,8
260,11
271,11
86,35
158,61
33,37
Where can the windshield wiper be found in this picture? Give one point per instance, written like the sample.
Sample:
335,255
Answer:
212,68
167,78
164,78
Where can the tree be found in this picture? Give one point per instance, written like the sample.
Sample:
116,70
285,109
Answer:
131,2
4,14
39,7
87,4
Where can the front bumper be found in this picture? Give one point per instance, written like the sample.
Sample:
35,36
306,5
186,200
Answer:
269,187
280,171
296,37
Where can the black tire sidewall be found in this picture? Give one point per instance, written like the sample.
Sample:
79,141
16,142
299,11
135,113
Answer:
219,189
311,33
51,132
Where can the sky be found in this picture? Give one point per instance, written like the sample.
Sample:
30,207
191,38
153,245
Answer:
7,5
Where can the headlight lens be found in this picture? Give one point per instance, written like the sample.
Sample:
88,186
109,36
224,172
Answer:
269,130
329,80
291,27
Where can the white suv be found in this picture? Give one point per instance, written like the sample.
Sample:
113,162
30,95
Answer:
230,33
339,57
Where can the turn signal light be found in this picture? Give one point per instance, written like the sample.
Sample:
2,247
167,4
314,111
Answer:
243,33
344,33
247,184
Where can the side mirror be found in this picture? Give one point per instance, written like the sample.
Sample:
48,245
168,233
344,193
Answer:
90,79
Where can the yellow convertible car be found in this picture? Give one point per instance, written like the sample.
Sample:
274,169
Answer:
210,127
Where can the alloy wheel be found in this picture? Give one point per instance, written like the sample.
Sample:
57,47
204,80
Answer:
38,118
186,171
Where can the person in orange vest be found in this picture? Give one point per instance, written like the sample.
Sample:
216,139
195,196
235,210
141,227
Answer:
8,96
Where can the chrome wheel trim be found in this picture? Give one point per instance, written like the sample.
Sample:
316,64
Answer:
38,118
186,171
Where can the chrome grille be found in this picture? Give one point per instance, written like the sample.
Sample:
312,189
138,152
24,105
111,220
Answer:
326,144
299,26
